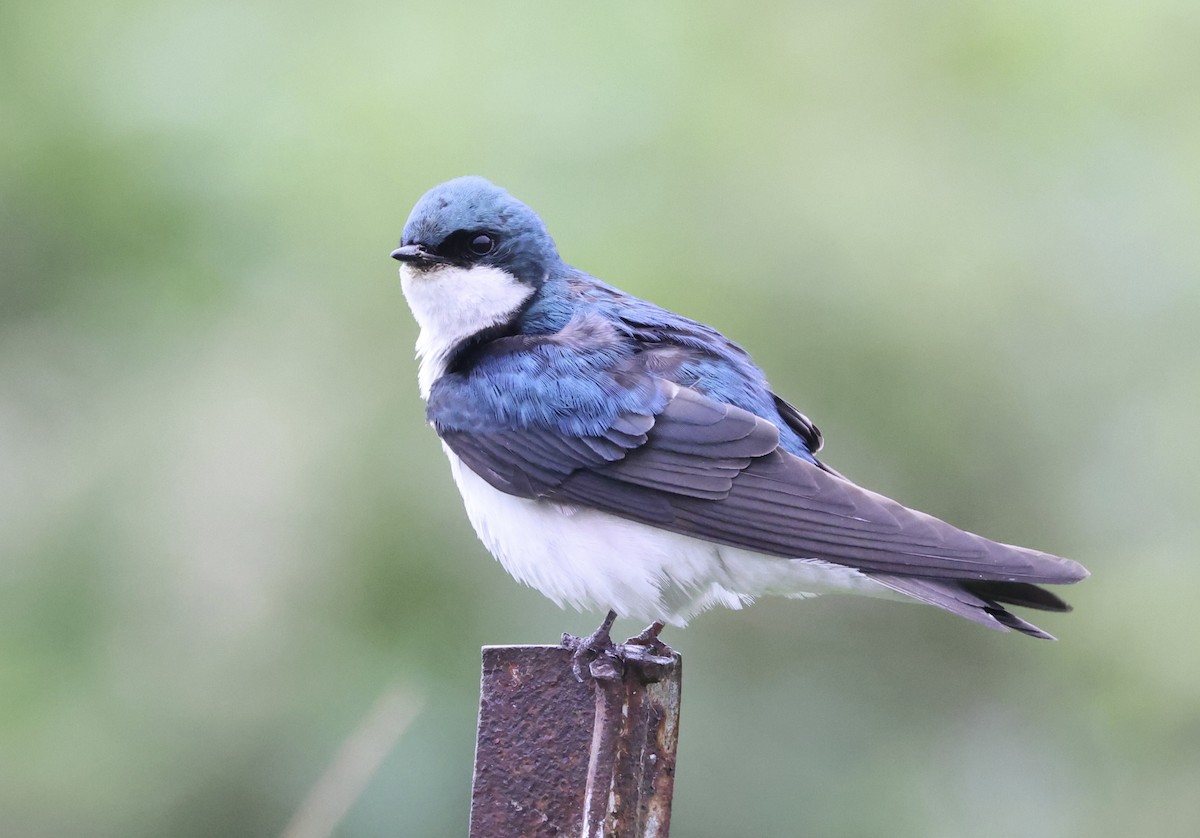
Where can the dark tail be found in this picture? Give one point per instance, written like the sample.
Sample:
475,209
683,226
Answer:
979,601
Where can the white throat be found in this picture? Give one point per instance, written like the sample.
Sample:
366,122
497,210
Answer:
451,304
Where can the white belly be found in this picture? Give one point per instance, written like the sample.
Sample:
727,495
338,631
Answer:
594,561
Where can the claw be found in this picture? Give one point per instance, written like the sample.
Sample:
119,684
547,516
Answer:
647,651
649,639
592,649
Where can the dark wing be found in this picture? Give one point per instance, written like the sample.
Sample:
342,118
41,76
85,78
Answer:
714,471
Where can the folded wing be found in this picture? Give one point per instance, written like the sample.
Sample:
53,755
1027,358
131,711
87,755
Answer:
714,471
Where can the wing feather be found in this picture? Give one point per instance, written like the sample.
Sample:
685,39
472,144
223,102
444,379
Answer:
714,471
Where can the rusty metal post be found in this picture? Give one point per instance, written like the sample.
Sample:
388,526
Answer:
556,757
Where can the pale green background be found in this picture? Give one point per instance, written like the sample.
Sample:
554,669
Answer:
963,237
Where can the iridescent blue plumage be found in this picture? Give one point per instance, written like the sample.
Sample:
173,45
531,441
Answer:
561,382
592,415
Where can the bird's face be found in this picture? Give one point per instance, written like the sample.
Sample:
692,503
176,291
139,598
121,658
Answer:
472,259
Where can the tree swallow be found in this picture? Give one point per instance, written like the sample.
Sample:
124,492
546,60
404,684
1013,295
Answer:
615,455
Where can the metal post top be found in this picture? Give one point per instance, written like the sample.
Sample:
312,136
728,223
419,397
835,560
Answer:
556,755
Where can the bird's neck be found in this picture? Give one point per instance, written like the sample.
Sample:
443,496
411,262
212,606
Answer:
555,305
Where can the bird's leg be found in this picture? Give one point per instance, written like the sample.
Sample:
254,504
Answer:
649,639
588,649
607,661
646,649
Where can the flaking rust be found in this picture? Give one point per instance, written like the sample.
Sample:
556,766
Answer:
558,757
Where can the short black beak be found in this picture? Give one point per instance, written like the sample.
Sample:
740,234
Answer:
417,254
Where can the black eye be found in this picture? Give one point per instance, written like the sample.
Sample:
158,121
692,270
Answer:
482,244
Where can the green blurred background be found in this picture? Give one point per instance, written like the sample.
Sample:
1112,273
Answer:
964,237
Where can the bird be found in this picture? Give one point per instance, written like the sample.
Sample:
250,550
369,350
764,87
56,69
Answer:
618,456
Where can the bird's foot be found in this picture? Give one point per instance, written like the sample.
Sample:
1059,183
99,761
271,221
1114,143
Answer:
647,651
607,661
590,650
648,638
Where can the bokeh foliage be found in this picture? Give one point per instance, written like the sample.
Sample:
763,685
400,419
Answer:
962,236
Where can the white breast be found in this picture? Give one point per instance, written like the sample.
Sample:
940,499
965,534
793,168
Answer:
451,304
593,561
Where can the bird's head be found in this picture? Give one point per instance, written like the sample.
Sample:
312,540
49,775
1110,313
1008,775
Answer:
473,259
469,222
